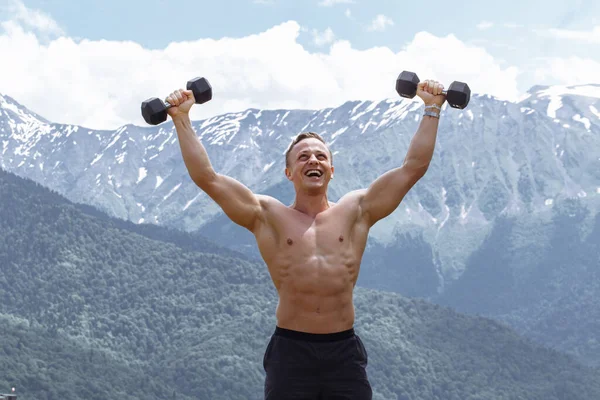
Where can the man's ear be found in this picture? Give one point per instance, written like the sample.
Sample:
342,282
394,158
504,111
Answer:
288,173
332,171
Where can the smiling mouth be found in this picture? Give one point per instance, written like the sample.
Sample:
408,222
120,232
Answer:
312,173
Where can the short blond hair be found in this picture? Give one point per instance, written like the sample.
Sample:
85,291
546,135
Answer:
300,137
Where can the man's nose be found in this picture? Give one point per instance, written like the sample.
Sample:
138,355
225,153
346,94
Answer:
312,159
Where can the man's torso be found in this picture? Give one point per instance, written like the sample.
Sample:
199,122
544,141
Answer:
314,263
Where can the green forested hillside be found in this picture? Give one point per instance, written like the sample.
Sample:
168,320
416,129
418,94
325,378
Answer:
44,365
93,308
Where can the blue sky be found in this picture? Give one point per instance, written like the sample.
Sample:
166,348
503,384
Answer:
102,58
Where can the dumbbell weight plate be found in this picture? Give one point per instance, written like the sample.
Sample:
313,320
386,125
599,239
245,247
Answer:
458,95
406,84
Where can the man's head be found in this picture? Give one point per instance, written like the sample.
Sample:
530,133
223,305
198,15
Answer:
309,162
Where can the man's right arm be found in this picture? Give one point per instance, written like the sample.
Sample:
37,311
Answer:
237,201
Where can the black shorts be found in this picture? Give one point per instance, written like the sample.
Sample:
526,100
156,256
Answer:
316,366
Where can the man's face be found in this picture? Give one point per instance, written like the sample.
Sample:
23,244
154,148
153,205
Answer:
309,166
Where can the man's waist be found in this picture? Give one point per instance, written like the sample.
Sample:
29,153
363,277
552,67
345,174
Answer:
314,337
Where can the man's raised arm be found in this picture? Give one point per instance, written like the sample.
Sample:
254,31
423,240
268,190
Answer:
237,201
386,192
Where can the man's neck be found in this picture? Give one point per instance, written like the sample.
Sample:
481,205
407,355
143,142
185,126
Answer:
311,205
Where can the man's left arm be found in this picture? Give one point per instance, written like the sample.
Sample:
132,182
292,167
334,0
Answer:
385,194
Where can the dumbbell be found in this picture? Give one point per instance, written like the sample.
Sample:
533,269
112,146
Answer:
154,110
457,95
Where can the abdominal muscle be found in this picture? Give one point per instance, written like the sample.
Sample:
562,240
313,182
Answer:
315,294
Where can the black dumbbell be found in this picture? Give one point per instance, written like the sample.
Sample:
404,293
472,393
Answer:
154,110
457,95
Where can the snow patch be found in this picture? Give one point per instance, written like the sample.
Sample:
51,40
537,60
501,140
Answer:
446,209
339,132
172,191
225,131
189,203
161,147
356,107
98,157
142,173
549,202
159,181
585,121
114,140
527,110
121,157
285,116
268,166
370,108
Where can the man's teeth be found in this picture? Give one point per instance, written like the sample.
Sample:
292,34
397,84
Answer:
313,172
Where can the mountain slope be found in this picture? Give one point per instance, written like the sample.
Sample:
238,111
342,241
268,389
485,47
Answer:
493,158
546,286
196,324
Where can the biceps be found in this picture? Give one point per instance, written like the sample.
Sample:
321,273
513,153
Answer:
386,193
236,200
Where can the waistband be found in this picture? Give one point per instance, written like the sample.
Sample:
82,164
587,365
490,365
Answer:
314,337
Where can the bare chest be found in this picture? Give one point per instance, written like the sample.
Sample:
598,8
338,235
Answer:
329,239
327,233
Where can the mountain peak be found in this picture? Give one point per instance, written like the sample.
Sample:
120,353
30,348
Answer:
554,98
544,91
17,112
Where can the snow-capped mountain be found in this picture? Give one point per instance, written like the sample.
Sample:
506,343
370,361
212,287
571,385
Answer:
494,157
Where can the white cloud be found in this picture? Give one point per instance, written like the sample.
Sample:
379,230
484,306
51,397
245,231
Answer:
592,36
568,71
330,3
348,13
323,38
380,23
30,18
100,84
485,25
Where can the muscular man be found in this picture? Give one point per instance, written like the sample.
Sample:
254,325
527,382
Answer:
313,250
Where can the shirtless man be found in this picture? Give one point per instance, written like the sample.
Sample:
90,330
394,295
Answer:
313,250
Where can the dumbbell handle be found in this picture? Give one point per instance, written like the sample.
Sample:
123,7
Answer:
167,104
444,92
